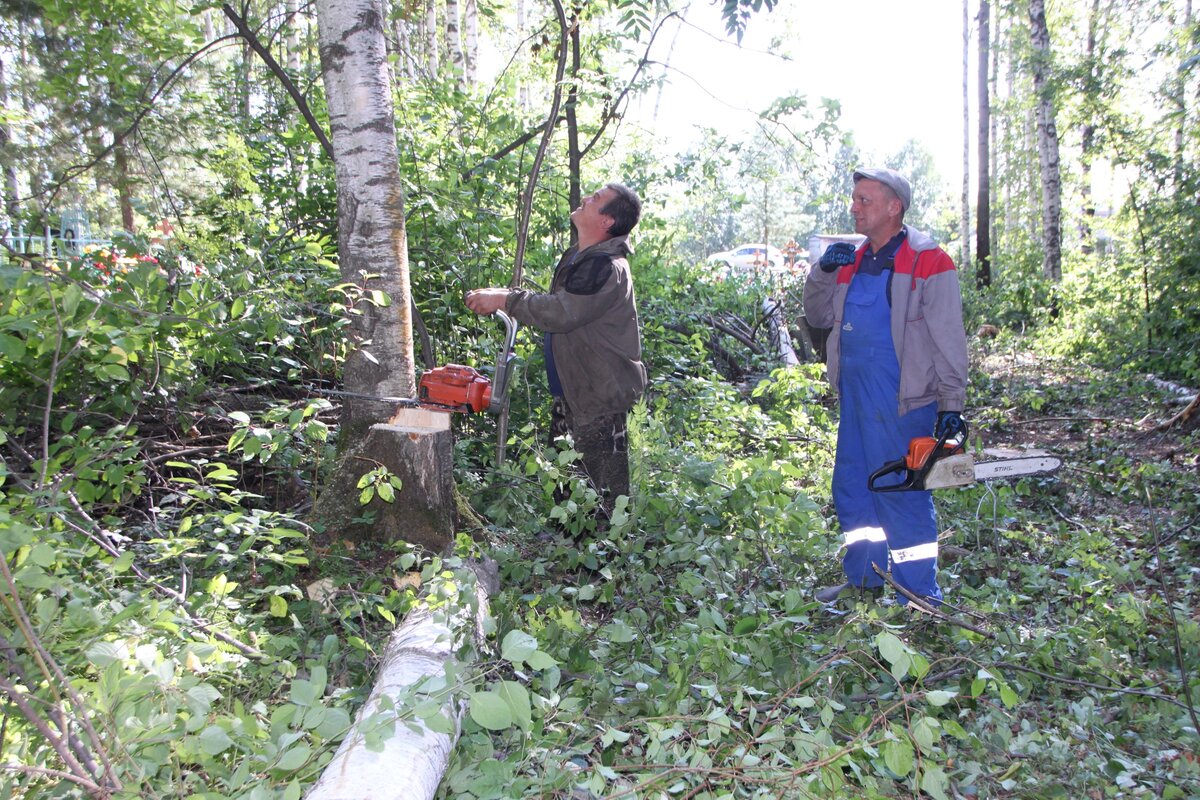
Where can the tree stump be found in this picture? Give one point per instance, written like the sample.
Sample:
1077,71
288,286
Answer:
416,445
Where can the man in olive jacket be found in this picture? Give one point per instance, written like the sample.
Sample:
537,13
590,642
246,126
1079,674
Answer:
593,343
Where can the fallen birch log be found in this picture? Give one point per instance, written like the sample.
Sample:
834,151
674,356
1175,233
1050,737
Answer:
407,762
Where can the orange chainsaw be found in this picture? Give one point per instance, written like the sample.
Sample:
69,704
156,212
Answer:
943,463
458,388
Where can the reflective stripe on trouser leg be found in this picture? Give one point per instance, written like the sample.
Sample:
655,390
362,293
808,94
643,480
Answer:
864,547
910,521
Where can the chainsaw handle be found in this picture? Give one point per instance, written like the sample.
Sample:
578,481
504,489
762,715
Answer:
892,468
503,360
914,479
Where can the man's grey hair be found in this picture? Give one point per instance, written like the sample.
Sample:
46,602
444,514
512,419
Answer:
625,209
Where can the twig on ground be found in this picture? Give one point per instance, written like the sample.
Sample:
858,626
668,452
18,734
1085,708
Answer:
925,606
1089,685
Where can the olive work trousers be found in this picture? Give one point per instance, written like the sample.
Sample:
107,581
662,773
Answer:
604,446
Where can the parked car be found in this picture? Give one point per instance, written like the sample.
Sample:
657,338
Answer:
750,258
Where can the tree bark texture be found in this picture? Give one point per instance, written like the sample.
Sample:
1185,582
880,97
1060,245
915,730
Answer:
454,40
418,448
574,158
965,221
372,245
409,764
1087,137
432,39
291,41
11,190
470,25
1047,143
983,203
124,183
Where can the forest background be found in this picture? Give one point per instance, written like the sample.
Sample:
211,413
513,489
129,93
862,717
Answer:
175,625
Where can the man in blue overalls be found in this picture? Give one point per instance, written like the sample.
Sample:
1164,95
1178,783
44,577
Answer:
897,356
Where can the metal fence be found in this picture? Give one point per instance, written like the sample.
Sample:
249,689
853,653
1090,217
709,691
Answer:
52,243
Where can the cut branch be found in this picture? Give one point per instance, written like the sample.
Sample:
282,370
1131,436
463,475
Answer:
251,39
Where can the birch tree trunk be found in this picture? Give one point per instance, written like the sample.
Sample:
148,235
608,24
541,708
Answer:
432,39
293,36
402,36
372,247
1087,137
983,205
409,763
965,221
523,87
454,41
1181,129
1047,143
470,41
574,157
11,190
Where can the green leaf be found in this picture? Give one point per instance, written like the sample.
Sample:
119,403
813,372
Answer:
11,347
891,648
934,782
294,758
517,647
104,653
898,756
335,723
490,711
745,625
214,740
123,563
540,660
71,299
517,697
618,632
939,697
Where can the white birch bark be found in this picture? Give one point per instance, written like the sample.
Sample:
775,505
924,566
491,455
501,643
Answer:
1047,142
470,41
408,764
964,230
523,87
294,25
432,39
11,190
372,247
454,40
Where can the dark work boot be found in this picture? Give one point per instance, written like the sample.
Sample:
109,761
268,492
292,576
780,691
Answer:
830,594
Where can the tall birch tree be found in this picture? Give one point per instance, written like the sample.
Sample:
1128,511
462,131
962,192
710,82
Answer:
1047,142
965,218
454,49
471,40
372,245
983,206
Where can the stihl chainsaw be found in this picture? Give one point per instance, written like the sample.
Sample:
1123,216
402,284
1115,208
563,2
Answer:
455,387
943,463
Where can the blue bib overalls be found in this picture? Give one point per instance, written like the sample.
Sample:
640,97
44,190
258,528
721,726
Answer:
900,528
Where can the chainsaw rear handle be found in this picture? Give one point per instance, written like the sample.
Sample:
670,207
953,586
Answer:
503,362
913,474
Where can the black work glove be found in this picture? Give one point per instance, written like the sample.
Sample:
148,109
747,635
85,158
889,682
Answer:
951,424
838,254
